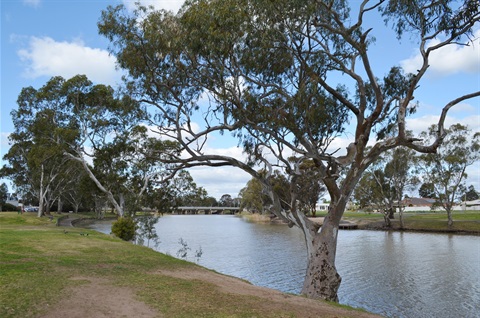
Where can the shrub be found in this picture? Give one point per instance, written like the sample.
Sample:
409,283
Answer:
124,228
9,207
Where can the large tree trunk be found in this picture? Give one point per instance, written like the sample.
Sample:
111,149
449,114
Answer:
41,205
401,217
322,279
450,219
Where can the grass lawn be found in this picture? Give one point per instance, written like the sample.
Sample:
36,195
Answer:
38,262
468,221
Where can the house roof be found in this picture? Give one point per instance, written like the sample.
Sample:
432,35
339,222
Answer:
418,201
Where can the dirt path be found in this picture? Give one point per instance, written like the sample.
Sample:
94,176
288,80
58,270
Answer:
99,298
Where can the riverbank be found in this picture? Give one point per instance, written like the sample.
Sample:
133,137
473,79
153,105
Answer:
464,222
51,271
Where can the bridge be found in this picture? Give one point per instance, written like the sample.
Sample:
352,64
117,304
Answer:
206,210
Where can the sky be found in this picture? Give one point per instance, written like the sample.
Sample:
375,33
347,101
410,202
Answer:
45,38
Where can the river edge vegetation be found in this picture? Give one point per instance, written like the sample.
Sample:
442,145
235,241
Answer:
42,265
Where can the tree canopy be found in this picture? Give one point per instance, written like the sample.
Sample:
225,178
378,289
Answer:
68,125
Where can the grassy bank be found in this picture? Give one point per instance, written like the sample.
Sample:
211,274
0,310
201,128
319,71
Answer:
463,222
41,266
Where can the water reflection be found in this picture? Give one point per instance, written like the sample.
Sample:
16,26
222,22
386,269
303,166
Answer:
391,273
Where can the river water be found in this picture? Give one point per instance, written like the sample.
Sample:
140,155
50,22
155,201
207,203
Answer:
390,273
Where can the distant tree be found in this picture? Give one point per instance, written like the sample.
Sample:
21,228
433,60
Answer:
185,190
81,190
383,185
36,164
309,187
471,194
253,196
226,200
282,189
446,168
374,191
76,120
427,190
3,194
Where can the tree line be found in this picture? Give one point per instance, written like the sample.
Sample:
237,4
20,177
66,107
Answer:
264,72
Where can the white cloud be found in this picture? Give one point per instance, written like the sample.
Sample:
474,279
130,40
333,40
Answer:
171,5
419,124
448,60
47,57
32,3
464,108
220,180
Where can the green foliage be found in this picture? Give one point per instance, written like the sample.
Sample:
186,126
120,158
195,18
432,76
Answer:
427,190
8,207
3,193
124,228
253,196
146,230
471,194
444,171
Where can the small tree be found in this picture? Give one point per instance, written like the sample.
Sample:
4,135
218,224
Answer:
146,230
382,186
445,170
124,228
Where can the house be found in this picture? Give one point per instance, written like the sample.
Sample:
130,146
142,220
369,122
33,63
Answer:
417,202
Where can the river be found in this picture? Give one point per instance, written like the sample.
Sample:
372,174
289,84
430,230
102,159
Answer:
394,274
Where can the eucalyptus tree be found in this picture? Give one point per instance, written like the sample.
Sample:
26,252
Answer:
253,196
384,183
267,73
36,164
445,169
76,120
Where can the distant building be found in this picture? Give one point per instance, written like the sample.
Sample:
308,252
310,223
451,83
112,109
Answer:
471,205
322,206
417,202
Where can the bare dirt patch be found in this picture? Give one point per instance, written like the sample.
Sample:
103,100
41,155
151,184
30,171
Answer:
98,298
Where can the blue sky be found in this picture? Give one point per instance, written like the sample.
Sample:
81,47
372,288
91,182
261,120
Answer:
45,38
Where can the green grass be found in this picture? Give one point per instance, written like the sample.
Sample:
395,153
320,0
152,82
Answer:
38,260
468,221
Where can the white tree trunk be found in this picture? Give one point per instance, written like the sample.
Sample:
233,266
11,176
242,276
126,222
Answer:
109,194
41,198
